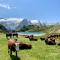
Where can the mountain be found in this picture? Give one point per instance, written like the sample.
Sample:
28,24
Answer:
17,23
10,23
2,28
35,22
23,23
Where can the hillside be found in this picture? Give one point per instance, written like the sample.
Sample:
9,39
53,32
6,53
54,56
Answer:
49,29
53,29
33,28
2,28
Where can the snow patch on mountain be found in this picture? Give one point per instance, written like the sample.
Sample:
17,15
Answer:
35,22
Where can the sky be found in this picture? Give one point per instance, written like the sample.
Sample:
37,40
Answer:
47,11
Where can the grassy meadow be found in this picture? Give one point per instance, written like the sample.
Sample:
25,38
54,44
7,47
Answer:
39,51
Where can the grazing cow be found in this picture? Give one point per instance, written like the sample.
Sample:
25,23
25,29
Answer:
32,39
9,34
50,42
15,34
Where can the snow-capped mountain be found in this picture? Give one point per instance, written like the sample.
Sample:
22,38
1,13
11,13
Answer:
35,22
10,23
16,23
24,22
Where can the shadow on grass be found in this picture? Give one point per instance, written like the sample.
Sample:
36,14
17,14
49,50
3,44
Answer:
14,57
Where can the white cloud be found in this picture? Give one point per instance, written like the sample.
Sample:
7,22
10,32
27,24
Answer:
34,21
6,6
11,19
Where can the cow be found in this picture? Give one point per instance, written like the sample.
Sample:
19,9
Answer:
9,34
32,39
15,34
24,46
50,42
14,45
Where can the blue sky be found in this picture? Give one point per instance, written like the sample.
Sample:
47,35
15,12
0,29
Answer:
44,10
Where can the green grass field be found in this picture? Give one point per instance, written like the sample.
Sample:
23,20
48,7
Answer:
39,51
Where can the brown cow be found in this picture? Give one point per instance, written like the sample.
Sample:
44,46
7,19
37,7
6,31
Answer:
13,43
12,46
31,38
9,34
24,46
15,34
50,42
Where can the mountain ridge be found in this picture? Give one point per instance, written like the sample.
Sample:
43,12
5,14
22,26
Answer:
17,23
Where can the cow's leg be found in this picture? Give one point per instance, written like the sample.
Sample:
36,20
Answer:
16,53
10,51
